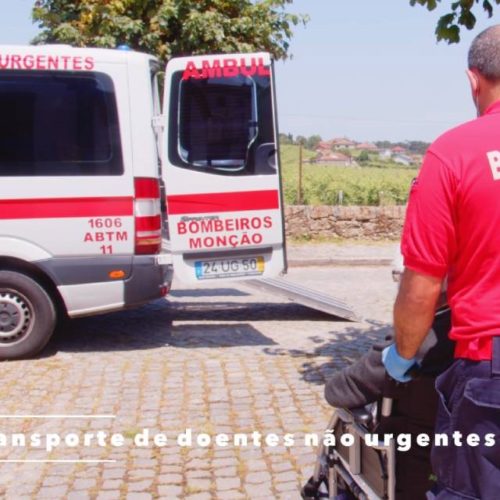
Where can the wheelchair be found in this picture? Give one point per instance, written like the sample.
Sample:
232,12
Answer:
371,466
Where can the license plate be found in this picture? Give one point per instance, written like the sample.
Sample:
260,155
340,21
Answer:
229,268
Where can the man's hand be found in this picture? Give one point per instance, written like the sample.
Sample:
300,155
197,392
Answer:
395,365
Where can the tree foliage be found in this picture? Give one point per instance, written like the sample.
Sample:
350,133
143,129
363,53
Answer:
312,142
363,157
169,27
460,15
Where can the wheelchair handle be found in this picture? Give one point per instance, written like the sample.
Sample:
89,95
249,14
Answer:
386,408
390,387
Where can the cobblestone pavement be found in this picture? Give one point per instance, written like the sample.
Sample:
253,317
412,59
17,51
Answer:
216,360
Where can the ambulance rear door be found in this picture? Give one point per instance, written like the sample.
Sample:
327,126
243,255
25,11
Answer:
221,168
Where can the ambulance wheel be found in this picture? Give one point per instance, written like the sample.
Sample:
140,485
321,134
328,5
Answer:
27,316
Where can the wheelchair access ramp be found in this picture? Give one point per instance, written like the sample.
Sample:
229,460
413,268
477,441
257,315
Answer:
303,296
296,293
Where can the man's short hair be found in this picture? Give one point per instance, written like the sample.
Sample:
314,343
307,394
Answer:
484,53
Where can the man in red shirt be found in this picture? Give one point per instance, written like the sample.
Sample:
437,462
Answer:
452,230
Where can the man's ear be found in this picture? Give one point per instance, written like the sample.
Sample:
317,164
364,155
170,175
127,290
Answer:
474,83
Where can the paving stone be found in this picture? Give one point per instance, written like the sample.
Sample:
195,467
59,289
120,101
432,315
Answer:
287,496
77,495
199,496
199,484
227,483
171,478
52,492
144,463
284,477
198,464
198,453
141,473
114,473
226,472
258,491
171,491
288,486
255,465
15,493
230,495
224,462
171,469
281,466
139,496
109,495
112,484
258,477
54,481
139,485
170,459
200,473
84,484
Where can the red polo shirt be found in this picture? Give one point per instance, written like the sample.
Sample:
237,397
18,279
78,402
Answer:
452,228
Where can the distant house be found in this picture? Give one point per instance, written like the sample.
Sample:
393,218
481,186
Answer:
385,154
403,160
342,143
334,158
397,150
324,146
367,146
417,159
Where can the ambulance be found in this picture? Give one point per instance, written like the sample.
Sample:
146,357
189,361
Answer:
107,188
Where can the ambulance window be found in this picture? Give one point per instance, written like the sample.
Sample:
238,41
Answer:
58,123
220,124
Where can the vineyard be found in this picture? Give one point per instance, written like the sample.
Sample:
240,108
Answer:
370,184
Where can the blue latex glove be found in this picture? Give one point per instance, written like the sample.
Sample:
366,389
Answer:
395,365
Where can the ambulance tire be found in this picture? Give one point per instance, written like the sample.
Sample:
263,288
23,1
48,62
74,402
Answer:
27,316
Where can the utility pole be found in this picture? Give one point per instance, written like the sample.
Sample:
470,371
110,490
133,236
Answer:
299,194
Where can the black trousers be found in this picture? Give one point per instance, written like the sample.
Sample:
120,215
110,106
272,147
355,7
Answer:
469,414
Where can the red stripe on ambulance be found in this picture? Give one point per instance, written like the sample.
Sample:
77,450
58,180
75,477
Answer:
208,203
58,208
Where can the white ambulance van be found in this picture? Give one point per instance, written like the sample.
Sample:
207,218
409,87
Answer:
90,166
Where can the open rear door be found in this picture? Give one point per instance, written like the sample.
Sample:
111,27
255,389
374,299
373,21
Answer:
221,168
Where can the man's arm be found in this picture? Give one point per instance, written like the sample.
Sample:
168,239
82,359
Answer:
414,310
428,245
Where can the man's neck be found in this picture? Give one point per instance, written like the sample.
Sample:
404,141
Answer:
489,95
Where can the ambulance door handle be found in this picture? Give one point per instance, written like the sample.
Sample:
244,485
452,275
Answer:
265,159
158,123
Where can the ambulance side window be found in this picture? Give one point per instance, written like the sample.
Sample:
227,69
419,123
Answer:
57,123
222,125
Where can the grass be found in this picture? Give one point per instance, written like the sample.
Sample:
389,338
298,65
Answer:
376,183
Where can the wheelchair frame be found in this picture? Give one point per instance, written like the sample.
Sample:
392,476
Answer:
353,466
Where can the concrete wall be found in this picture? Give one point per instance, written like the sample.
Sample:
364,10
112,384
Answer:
372,223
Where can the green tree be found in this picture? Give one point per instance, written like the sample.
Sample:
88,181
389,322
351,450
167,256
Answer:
418,147
461,15
384,144
364,157
285,139
169,27
312,142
